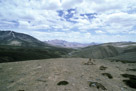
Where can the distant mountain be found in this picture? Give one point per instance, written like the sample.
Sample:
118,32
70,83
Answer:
66,44
96,51
127,51
18,39
115,50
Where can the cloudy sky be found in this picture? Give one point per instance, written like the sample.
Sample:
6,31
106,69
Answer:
71,20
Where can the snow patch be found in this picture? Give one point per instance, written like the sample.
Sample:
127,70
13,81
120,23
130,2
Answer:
12,33
15,43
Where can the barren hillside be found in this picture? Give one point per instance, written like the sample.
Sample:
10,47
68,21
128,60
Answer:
66,74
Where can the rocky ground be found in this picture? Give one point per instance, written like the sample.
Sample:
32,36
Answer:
65,74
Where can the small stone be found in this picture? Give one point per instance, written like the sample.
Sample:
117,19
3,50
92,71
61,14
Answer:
41,80
97,85
102,68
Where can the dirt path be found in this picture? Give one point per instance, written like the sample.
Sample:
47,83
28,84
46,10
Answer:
44,75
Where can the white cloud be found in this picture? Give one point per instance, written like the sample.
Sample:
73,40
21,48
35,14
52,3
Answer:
66,4
112,17
132,32
99,32
119,22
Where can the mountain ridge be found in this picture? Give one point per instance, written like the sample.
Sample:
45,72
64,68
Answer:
66,44
125,51
19,39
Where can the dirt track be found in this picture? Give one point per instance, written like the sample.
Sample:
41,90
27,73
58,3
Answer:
44,75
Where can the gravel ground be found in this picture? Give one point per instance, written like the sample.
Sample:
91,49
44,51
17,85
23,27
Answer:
76,74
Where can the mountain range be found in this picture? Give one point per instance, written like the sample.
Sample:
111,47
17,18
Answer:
115,51
20,39
19,46
66,44
106,66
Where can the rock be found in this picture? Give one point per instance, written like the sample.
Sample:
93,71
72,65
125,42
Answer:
41,80
123,88
103,68
38,67
97,85
10,68
90,62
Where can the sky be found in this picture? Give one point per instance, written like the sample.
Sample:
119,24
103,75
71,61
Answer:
81,21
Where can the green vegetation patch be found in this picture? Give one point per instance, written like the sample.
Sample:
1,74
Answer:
13,54
131,82
103,68
123,61
108,75
63,83
131,69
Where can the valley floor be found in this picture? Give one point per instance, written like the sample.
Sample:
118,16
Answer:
76,73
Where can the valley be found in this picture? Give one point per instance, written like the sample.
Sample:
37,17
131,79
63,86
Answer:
28,64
